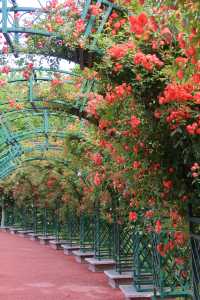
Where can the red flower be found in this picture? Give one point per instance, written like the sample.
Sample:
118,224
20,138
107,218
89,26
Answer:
192,129
138,77
136,164
2,82
12,103
135,122
117,67
103,124
117,51
158,226
59,20
97,179
169,246
190,51
120,160
166,33
141,2
138,23
167,184
179,260
149,214
180,74
97,159
179,238
133,216
95,9
80,26
142,19
160,249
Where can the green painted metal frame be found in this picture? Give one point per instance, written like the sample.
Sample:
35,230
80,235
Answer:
194,218
72,227
12,30
48,225
103,235
123,243
11,140
86,232
142,260
9,216
37,220
168,276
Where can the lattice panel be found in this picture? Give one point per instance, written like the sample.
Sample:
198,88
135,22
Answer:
38,220
48,222
195,242
142,261
103,246
194,214
171,278
9,217
72,229
86,233
123,247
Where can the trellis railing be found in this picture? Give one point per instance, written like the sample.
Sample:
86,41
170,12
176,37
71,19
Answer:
9,217
142,261
172,268
123,244
86,232
48,221
103,235
38,220
72,228
194,217
166,275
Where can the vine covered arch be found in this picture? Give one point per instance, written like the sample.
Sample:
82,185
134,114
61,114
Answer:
143,104
15,25
24,32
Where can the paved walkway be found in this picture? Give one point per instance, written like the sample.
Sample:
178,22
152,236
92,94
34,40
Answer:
30,271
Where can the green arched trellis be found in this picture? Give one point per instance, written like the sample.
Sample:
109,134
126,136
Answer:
38,109
12,27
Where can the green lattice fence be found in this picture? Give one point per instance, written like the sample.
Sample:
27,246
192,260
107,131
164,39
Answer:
142,261
103,239
72,228
9,217
38,215
86,232
27,218
123,242
48,221
61,226
17,217
194,215
195,243
171,269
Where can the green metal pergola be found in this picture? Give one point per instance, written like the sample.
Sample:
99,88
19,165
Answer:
31,133
14,30
34,127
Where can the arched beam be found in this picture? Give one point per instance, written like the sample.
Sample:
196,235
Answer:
11,166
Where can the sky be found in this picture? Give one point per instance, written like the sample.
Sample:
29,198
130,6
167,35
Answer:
33,3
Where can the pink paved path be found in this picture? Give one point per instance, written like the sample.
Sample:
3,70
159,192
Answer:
30,271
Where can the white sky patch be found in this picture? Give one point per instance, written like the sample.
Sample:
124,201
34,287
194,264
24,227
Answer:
31,3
